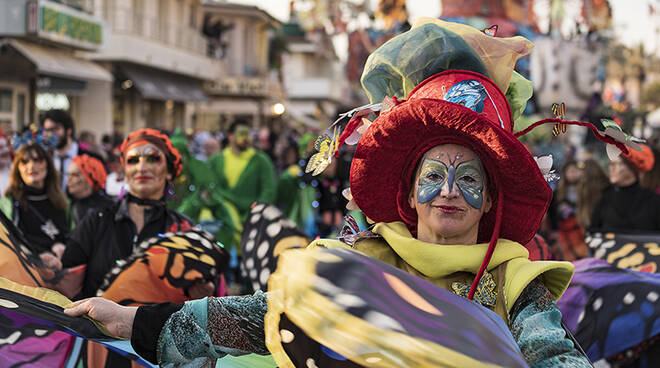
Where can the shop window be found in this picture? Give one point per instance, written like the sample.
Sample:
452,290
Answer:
5,100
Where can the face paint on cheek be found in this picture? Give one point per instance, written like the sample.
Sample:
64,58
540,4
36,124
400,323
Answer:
470,182
432,178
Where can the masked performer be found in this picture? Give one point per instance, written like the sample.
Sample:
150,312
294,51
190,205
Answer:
452,191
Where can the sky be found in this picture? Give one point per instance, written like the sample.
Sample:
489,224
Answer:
632,22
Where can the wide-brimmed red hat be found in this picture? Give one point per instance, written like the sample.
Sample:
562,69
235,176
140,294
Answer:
387,154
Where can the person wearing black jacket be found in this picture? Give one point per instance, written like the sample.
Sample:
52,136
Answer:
150,162
626,206
35,202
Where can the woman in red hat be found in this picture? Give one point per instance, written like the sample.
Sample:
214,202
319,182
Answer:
451,190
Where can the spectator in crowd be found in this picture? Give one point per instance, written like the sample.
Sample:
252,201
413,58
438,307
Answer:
244,173
570,234
590,188
35,202
85,183
87,142
211,147
60,123
266,142
651,178
626,206
6,157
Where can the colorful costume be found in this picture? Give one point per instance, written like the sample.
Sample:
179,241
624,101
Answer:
108,236
244,178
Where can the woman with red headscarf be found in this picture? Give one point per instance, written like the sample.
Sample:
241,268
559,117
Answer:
84,185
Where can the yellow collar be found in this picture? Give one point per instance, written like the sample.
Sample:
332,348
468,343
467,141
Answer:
435,260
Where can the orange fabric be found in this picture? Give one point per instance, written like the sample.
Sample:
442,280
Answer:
643,161
93,171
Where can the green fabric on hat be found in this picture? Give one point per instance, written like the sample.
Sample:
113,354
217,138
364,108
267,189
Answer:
403,62
519,92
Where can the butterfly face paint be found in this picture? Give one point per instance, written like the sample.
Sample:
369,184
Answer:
466,175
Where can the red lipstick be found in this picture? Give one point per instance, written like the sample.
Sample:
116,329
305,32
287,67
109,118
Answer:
449,209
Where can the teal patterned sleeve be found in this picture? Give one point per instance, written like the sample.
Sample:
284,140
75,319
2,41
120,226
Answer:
207,329
536,327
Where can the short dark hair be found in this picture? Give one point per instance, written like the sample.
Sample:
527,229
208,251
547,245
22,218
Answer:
60,117
236,124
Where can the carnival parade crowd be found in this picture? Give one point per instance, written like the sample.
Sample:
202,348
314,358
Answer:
439,188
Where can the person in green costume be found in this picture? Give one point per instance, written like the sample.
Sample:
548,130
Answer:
195,175
295,196
243,173
233,179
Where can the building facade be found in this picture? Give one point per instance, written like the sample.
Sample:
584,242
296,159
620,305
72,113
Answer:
314,77
158,57
41,67
246,88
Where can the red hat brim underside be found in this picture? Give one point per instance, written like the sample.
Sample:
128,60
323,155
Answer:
387,154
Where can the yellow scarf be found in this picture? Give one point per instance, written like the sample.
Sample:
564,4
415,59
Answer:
438,261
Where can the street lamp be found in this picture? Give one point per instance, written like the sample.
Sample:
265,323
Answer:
278,109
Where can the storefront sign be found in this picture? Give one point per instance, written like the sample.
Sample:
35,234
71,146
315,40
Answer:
64,24
49,101
238,87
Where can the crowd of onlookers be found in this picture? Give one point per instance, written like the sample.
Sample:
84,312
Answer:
621,195
54,181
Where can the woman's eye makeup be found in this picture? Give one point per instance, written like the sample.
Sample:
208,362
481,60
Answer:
470,182
432,178
467,176
132,160
150,155
153,158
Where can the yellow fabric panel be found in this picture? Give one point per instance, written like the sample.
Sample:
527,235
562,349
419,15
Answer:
555,275
235,164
